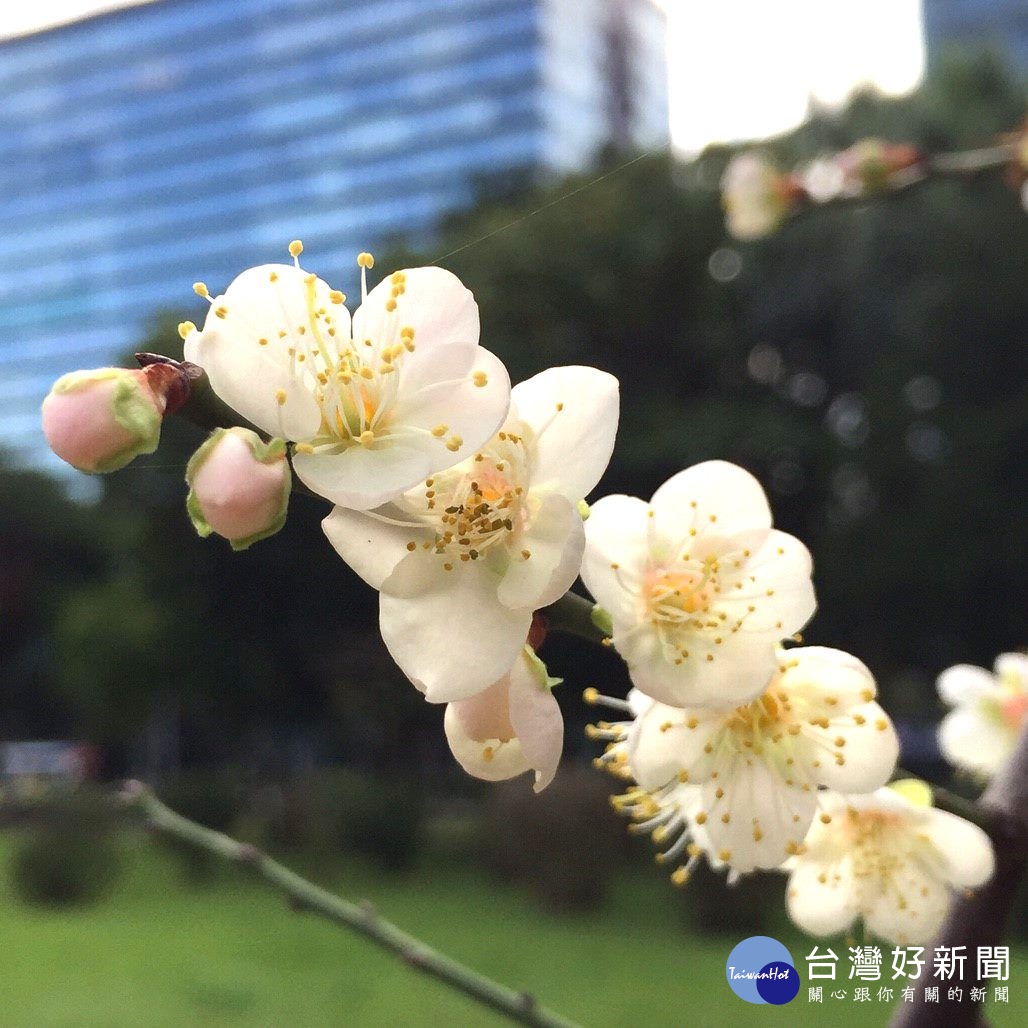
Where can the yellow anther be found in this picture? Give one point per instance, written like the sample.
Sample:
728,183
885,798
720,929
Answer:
701,818
480,378
679,876
365,260
826,819
488,753
295,248
366,438
200,288
221,312
185,328
310,278
280,396
304,448
454,443
336,297
440,430
366,372
406,332
273,277
591,695
262,342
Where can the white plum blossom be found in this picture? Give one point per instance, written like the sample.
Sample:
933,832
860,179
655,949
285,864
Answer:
698,585
753,773
511,727
889,858
755,196
373,405
989,712
462,561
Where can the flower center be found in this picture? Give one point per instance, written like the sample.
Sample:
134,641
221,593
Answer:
476,507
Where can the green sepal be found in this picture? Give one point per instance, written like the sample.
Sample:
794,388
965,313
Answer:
133,411
602,620
914,791
541,672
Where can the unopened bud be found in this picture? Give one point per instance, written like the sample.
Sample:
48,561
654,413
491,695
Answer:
238,486
100,420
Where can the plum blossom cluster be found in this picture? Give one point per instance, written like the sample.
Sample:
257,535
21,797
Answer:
743,750
759,197
455,496
461,501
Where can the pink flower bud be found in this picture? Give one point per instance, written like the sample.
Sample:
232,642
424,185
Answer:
100,420
239,486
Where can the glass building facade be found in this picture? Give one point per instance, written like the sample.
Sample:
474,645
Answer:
997,25
188,139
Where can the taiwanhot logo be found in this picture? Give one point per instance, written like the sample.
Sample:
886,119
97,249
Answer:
761,970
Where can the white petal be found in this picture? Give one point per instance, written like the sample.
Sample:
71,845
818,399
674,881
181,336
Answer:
738,672
775,581
767,818
615,534
966,849
492,760
816,673
869,751
965,683
443,314
822,907
537,720
370,546
719,489
661,744
555,539
249,376
453,638
573,415
362,478
972,741
472,413
1012,670
908,910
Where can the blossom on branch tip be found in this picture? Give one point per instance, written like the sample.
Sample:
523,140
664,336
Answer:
756,197
889,858
98,421
757,769
375,404
462,561
513,726
990,710
238,486
698,585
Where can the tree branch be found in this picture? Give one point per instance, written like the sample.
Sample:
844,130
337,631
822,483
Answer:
360,918
979,919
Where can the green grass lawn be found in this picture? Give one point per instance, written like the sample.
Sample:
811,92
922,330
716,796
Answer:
160,952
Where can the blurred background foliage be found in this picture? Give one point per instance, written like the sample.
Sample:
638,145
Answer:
866,363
